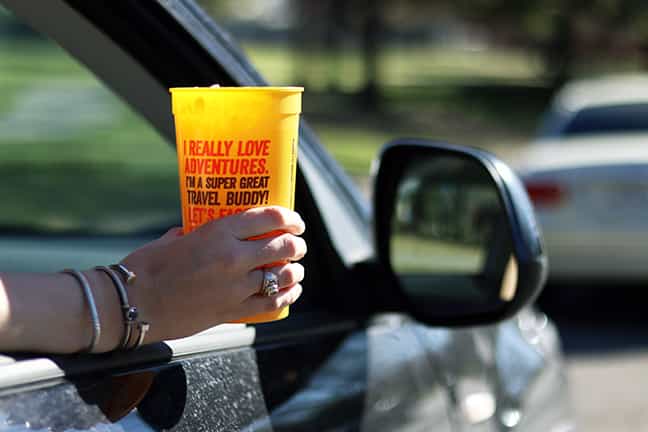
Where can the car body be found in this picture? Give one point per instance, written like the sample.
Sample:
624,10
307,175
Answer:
334,364
587,173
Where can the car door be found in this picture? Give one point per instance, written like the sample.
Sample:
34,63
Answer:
331,366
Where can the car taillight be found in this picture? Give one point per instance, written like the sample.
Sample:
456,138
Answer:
545,193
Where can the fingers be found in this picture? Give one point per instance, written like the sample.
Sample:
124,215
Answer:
258,304
262,220
287,275
284,247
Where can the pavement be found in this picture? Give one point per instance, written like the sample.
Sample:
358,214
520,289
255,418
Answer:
609,393
604,331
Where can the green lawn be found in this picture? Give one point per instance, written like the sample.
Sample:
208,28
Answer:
355,148
73,157
417,254
399,65
482,98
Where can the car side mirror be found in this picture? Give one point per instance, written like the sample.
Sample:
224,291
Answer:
457,233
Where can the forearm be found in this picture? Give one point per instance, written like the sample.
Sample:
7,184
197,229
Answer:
185,284
49,313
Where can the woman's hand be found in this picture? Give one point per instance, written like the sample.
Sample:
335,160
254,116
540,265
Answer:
187,283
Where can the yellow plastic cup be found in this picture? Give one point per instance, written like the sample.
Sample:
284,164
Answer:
237,149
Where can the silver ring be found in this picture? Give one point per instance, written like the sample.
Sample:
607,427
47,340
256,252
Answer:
270,284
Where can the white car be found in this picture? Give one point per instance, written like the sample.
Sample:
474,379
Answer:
587,174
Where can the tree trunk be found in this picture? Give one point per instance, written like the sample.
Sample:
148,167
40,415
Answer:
371,32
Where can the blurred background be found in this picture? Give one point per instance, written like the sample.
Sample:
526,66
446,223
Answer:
488,73
484,73
479,73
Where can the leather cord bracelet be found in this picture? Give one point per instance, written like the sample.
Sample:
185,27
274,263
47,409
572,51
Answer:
129,312
92,307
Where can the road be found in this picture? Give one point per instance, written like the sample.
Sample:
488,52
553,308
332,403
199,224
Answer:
604,329
610,393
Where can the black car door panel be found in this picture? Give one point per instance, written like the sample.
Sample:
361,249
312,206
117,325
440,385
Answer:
217,392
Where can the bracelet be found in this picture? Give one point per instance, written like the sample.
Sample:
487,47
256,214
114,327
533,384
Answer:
92,306
128,275
130,313
143,327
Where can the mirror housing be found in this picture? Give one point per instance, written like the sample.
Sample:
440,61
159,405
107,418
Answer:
456,232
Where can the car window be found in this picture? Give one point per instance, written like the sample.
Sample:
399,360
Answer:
609,119
81,174
74,158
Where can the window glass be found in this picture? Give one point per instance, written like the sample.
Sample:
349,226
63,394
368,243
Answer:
73,157
75,160
609,119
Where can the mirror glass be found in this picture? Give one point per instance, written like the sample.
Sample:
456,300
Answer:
450,238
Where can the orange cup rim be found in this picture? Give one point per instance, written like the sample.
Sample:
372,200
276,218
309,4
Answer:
269,89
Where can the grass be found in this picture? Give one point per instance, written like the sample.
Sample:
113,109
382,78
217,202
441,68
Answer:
417,254
355,148
82,197
73,157
482,98
399,66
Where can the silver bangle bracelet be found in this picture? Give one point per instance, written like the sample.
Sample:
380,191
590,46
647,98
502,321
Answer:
92,306
143,328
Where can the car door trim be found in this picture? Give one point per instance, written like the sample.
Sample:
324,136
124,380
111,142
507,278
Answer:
16,373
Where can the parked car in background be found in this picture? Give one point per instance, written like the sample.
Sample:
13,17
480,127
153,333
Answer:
587,175
373,343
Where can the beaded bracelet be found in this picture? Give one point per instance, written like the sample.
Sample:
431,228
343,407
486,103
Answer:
92,306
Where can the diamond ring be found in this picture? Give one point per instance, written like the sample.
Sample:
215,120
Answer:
270,284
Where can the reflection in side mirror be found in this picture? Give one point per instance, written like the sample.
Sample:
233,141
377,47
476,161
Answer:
449,221
449,227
